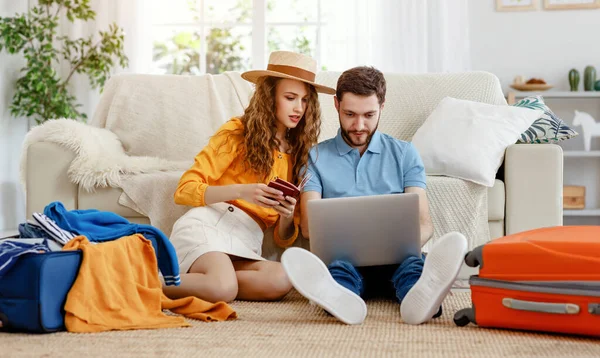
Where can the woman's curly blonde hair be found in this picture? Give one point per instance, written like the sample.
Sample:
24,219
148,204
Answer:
259,130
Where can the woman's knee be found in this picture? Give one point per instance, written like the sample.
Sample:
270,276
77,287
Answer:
219,281
211,287
279,283
225,288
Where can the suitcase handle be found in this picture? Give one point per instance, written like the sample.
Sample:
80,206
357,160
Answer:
558,308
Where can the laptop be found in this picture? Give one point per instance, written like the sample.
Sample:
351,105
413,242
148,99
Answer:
365,230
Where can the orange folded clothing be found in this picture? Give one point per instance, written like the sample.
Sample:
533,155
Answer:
118,288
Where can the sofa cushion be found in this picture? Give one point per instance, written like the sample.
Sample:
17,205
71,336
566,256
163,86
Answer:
549,128
467,139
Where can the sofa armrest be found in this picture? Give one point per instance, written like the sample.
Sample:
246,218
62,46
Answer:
46,177
533,176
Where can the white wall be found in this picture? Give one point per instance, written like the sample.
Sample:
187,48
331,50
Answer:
539,43
12,132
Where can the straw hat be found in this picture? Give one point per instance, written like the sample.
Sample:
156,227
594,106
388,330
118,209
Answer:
290,65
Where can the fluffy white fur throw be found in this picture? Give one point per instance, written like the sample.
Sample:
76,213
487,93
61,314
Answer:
99,156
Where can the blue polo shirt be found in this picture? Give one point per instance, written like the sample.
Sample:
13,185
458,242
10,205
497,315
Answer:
388,166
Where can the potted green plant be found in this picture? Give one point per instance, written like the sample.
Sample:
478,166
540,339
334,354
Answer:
41,92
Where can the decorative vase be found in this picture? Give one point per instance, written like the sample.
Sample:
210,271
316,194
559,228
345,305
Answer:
589,78
597,86
574,79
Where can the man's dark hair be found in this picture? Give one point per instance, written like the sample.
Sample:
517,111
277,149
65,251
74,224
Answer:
362,81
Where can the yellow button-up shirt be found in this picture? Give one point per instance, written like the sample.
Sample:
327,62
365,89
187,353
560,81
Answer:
219,163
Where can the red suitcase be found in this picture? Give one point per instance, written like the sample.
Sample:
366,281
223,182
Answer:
541,280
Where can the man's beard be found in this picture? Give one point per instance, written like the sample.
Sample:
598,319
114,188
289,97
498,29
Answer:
349,140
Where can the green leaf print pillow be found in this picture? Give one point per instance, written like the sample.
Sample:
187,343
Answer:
549,128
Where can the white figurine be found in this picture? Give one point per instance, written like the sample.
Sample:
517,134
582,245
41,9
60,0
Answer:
589,127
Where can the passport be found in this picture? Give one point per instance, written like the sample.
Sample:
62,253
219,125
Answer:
287,188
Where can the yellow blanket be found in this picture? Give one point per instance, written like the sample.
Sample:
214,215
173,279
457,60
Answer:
118,288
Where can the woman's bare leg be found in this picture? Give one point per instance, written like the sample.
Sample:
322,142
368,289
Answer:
211,277
261,280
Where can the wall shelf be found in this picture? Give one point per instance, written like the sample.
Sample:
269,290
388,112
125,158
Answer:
581,153
557,94
584,212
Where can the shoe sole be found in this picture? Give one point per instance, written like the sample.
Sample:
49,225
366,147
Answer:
311,278
440,270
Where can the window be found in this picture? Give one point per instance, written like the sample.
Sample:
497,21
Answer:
213,36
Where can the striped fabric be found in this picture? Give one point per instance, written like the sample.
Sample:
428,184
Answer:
50,227
11,250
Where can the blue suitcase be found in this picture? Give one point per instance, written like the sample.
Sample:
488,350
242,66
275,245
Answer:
33,292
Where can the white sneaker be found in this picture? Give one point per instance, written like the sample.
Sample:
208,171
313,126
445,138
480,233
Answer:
441,267
309,276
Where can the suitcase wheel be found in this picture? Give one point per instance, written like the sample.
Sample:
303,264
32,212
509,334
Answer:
474,258
464,317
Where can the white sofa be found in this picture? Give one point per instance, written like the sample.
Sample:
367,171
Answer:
527,193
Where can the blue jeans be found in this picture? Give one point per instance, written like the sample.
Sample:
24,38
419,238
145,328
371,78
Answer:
376,281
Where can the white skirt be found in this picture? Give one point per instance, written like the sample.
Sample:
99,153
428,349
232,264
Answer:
219,227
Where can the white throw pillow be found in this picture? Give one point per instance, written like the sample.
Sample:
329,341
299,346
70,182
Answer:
467,140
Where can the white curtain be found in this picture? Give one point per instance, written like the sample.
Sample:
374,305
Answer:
408,36
133,16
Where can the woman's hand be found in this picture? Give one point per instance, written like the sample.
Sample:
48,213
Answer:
286,209
261,194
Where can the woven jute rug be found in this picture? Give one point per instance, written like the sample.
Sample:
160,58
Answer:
294,328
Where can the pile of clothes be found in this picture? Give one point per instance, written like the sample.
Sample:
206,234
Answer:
118,284
61,225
